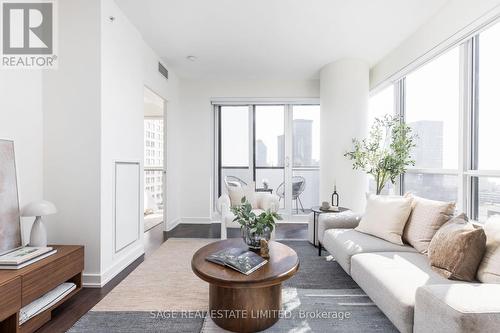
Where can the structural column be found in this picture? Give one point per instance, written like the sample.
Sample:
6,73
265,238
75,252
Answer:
344,111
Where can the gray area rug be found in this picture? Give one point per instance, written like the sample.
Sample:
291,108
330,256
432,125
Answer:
320,310
321,297
133,322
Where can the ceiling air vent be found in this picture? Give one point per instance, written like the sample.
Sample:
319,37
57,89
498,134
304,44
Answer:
163,71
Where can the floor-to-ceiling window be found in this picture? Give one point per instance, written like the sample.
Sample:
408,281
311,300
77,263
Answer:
234,132
274,145
432,111
305,155
452,104
485,162
269,157
381,104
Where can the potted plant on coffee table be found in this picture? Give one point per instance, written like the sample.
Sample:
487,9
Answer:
254,227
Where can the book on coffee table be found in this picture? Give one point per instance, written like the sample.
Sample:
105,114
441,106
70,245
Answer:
238,259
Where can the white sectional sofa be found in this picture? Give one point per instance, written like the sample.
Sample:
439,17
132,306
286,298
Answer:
402,284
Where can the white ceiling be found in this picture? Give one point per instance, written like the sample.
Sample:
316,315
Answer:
273,39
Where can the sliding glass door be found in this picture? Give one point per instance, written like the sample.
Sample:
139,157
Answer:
270,149
274,146
305,152
234,156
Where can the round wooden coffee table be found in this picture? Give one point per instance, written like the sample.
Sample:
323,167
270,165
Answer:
245,303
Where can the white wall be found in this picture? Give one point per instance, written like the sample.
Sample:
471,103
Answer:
128,64
93,116
196,174
21,120
169,90
72,131
456,20
122,127
344,112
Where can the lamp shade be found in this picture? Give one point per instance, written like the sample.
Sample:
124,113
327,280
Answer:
39,208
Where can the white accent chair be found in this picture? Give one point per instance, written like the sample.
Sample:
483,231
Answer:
263,200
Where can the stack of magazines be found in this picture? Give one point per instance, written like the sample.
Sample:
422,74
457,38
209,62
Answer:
24,256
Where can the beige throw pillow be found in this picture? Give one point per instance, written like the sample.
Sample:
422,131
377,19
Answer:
236,193
489,269
457,249
385,217
426,217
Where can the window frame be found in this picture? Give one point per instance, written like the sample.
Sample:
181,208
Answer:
467,173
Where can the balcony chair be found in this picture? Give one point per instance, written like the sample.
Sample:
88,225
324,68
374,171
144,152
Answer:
298,186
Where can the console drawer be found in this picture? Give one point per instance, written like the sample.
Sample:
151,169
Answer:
10,302
46,278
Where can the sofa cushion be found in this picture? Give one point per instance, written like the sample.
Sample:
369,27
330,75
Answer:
391,279
385,217
344,243
426,217
457,308
457,249
343,220
489,269
237,193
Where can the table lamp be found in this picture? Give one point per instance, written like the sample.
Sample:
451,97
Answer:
38,235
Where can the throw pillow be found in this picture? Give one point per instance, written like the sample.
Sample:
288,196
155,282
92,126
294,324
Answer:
236,193
426,217
385,217
457,249
489,269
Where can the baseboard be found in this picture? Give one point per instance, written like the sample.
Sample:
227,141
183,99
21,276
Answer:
172,224
94,280
196,220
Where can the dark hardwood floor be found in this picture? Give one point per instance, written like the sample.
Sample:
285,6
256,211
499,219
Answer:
66,315
283,231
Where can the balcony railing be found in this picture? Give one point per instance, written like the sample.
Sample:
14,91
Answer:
275,176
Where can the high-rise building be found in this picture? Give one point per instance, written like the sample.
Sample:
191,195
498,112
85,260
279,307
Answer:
281,149
429,149
302,142
153,158
260,153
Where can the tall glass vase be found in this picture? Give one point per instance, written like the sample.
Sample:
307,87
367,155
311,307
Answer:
252,239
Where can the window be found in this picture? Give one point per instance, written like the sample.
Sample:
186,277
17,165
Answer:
380,104
274,145
484,180
153,174
234,133
432,186
432,110
455,161
488,117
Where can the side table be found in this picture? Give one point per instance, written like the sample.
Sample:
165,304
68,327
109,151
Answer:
317,211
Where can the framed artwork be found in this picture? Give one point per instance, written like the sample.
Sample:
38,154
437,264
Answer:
10,222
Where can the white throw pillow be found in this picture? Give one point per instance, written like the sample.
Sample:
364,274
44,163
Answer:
236,193
385,217
489,269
